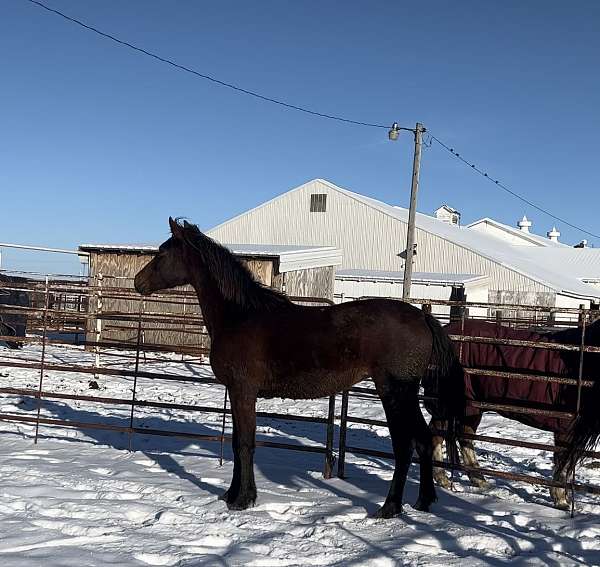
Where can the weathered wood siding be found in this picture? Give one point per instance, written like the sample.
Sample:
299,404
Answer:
117,271
314,282
112,269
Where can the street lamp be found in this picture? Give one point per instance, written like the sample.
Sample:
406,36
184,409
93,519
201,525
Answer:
393,134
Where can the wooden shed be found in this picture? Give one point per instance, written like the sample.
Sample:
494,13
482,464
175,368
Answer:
301,271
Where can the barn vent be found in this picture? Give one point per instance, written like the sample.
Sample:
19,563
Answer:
447,214
318,202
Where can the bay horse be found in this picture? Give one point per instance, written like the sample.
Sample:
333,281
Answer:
264,345
576,435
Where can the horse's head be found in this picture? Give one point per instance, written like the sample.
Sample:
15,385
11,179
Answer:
168,268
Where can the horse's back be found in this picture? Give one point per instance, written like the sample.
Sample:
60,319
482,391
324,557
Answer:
511,358
309,351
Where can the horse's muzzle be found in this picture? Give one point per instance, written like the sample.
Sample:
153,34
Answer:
141,286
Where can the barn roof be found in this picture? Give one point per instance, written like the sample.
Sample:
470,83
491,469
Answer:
545,265
559,268
526,236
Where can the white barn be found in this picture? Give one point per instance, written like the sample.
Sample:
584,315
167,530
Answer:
371,234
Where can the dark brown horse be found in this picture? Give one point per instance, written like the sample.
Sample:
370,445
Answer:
263,345
576,435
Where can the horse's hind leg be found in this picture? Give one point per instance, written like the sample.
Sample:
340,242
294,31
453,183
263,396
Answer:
559,495
425,451
398,399
467,450
439,474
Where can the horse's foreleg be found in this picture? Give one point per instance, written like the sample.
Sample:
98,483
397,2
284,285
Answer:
399,401
242,492
559,495
235,481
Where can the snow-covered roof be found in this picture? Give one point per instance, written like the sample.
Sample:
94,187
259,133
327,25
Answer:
447,208
290,257
427,278
141,248
527,236
544,265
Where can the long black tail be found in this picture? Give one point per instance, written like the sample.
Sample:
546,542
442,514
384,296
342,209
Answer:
585,431
445,378
444,385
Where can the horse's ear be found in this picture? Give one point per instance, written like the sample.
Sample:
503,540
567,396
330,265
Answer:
175,228
186,224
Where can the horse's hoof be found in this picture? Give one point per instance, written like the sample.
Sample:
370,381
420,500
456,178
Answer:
442,480
242,502
388,510
564,505
480,482
423,504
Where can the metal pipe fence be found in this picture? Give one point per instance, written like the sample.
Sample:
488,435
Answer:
131,359
59,311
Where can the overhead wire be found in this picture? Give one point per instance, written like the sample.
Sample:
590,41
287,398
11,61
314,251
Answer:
203,75
507,189
303,109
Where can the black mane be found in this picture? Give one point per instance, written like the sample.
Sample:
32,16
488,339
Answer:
233,279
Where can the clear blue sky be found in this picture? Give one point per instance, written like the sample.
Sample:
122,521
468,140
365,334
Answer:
102,144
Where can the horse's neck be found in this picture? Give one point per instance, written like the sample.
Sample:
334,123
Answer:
215,308
210,300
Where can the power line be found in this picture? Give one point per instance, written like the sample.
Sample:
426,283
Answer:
297,108
510,191
203,75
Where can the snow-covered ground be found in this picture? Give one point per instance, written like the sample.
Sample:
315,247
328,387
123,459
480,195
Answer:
80,497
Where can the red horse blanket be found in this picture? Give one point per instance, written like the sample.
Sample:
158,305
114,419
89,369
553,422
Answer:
513,391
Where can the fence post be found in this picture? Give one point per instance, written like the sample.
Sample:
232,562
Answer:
582,321
329,456
98,324
45,331
135,374
343,429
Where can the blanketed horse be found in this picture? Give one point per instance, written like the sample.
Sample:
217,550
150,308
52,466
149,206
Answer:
263,345
577,436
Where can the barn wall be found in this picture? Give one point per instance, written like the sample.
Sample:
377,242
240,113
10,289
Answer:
369,239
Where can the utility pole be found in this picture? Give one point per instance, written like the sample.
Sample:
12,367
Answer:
410,233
